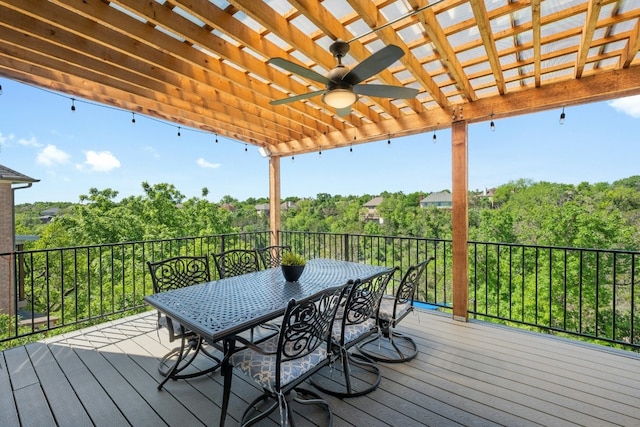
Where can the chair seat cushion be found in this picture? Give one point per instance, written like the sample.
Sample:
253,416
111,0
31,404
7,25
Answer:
262,367
386,309
353,331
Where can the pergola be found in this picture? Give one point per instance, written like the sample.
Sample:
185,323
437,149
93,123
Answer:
203,64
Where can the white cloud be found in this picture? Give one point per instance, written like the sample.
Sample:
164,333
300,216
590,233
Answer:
152,151
102,161
29,142
51,155
204,164
4,139
629,105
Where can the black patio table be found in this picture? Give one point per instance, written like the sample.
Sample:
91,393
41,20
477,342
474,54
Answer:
221,309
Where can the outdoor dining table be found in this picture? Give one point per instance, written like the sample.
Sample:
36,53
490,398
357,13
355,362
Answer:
221,309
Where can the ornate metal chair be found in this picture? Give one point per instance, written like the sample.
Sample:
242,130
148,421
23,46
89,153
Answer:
394,308
235,262
279,364
272,255
174,273
355,322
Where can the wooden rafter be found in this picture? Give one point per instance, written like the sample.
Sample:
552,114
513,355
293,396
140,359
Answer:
195,64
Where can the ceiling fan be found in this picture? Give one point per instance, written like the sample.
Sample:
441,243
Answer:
343,84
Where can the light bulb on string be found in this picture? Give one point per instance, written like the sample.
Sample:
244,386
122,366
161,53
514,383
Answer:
562,116
216,138
388,140
492,125
245,148
133,117
73,106
178,130
0,89
435,138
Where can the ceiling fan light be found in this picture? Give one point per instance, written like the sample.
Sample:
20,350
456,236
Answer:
339,98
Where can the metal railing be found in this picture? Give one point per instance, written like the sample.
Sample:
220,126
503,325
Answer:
590,293
582,292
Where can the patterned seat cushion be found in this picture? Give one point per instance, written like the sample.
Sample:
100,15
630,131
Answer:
353,331
262,367
386,309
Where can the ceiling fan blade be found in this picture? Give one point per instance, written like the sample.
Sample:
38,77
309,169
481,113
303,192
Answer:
373,64
299,70
385,91
296,97
343,112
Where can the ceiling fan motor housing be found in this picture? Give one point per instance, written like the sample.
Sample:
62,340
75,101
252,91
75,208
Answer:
335,76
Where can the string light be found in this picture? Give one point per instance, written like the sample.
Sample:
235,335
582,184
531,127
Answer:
388,140
178,130
435,138
73,106
292,159
0,89
216,138
562,116
319,152
492,125
245,148
133,117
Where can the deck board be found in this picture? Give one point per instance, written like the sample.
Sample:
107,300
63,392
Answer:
470,374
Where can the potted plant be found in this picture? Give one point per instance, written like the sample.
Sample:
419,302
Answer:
292,265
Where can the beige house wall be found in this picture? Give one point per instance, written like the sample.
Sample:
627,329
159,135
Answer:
7,288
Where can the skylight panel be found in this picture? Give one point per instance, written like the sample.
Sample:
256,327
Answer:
492,5
282,7
249,22
394,11
253,53
339,8
273,38
478,68
455,15
522,16
127,12
501,23
471,54
423,51
551,7
222,4
169,33
411,33
179,11
206,51
487,92
358,28
302,23
557,61
225,37
507,59
558,45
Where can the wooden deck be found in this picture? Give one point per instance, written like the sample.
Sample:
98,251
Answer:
465,374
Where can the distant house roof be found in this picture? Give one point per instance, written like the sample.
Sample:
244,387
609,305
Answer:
50,212
374,203
12,176
442,199
438,197
262,207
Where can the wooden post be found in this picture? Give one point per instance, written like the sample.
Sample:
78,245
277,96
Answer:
274,198
460,219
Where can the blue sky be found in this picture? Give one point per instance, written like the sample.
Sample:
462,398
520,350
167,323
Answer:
97,146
